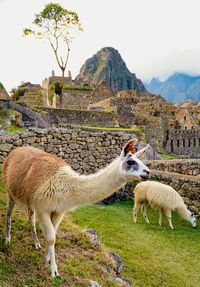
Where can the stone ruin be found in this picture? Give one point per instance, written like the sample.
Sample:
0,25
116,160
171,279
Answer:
168,128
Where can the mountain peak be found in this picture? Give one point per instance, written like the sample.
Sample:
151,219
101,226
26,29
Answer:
108,65
177,87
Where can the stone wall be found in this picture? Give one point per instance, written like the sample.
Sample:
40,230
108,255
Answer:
34,97
90,150
76,99
184,142
81,117
84,149
182,166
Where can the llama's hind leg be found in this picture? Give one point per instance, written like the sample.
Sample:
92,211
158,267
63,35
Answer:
31,216
10,207
160,216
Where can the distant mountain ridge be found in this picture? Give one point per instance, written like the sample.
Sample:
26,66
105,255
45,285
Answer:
177,88
108,65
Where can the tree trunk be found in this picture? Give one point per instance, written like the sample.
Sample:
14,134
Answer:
62,85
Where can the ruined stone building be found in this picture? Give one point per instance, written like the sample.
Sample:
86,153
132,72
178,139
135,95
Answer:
183,137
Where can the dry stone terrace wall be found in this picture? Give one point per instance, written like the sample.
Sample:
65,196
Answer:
76,99
90,150
85,150
182,166
80,117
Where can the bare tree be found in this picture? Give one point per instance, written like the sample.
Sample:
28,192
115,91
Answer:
57,25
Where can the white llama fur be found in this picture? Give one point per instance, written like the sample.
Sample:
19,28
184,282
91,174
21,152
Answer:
161,197
48,186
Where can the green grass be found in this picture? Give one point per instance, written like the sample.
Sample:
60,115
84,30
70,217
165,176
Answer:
13,129
153,255
167,156
78,88
135,129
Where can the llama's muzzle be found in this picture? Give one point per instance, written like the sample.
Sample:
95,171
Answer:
145,175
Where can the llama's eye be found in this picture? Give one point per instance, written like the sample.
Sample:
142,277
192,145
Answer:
131,162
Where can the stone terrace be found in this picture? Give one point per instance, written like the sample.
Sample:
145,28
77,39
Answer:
87,151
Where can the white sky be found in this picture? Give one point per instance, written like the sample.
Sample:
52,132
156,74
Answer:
154,37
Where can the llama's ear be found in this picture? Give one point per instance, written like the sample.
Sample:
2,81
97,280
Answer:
129,147
141,152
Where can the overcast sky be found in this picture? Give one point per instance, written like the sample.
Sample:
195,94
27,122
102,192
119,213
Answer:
154,37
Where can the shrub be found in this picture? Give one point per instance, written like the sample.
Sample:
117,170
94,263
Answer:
85,87
54,88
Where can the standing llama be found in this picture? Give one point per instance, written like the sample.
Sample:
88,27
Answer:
47,186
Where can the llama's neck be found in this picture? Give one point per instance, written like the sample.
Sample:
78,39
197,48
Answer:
95,187
184,213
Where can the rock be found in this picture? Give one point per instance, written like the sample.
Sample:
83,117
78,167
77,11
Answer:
2,132
73,146
93,236
91,140
18,142
75,166
123,281
94,284
6,147
118,261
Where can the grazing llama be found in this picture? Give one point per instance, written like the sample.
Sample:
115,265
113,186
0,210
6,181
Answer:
163,198
47,186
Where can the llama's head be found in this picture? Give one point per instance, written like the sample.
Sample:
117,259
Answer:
192,219
132,168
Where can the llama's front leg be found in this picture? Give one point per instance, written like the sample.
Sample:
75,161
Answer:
144,211
31,215
10,208
56,218
49,232
168,214
135,211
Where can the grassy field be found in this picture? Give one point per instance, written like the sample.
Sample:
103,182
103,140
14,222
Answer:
154,256
167,156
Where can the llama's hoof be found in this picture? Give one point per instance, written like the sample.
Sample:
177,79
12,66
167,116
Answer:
56,275
38,246
7,240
